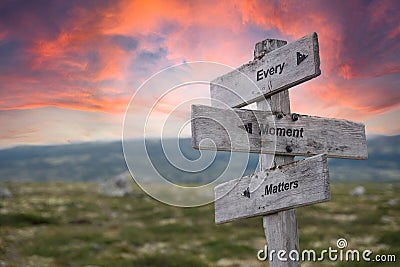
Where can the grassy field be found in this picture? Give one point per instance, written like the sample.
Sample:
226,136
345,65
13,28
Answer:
70,224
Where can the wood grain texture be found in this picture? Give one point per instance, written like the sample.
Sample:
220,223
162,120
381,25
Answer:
266,46
255,131
278,190
280,228
274,72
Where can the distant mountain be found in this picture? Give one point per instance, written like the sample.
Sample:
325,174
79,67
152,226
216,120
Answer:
383,162
94,161
73,162
100,160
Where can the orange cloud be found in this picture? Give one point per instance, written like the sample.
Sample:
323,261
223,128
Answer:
345,71
93,56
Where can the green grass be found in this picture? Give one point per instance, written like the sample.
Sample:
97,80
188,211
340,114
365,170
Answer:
225,248
24,219
69,224
173,260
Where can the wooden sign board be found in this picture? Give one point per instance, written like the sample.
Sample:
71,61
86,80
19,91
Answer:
296,135
292,185
278,70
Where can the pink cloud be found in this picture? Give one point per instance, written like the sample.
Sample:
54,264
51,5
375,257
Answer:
92,57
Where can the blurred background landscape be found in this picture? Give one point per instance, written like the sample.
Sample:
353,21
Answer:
94,161
55,211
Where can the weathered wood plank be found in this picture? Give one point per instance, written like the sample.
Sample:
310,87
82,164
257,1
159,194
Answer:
292,185
255,131
276,71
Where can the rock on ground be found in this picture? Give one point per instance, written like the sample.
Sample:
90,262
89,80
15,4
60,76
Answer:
117,186
393,202
358,191
4,192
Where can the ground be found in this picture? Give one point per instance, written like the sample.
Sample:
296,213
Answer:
70,224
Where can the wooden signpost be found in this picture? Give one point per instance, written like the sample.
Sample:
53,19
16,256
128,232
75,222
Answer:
292,185
277,66
294,134
272,72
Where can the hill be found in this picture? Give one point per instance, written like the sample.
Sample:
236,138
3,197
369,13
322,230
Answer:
99,160
383,162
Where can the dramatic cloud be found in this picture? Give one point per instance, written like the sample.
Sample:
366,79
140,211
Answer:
91,56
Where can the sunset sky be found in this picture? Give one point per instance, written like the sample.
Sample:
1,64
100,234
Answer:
68,69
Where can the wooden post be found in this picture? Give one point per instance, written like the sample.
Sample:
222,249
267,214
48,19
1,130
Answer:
276,67
280,228
301,62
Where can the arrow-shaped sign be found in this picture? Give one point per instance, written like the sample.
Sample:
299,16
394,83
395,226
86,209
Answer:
259,131
276,71
296,184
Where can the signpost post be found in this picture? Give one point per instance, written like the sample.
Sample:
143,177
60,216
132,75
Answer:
276,67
